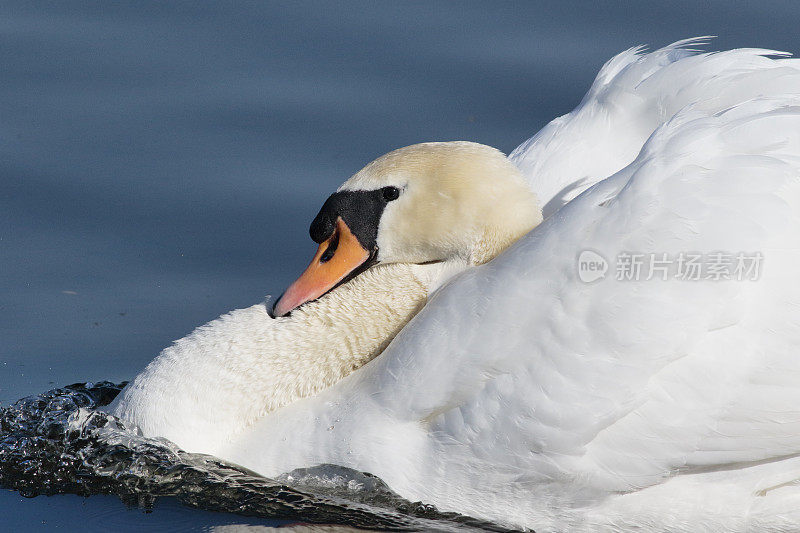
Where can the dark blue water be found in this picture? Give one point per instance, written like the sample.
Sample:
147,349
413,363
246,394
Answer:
160,162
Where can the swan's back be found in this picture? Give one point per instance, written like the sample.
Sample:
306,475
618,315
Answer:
522,393
633,95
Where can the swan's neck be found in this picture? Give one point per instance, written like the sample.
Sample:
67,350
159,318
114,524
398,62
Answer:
350,326
227,374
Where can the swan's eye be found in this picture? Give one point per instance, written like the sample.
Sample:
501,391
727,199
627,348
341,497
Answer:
390,193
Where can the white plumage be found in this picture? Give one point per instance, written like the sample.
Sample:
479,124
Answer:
521,394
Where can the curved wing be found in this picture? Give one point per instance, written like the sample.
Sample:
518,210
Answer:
634,94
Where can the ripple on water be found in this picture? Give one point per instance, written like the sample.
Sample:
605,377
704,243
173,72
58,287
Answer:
58,443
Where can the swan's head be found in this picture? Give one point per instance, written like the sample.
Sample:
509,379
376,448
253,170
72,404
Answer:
422,203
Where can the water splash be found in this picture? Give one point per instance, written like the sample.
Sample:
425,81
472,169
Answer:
57,443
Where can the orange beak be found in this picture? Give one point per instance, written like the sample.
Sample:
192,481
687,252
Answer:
336,258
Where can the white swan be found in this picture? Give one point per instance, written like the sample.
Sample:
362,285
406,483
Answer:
522,394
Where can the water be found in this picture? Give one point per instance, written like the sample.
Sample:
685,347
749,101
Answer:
58,443
160,162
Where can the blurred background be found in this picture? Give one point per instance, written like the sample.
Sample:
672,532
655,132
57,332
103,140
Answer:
160,162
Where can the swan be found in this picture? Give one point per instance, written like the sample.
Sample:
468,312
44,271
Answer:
518,391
